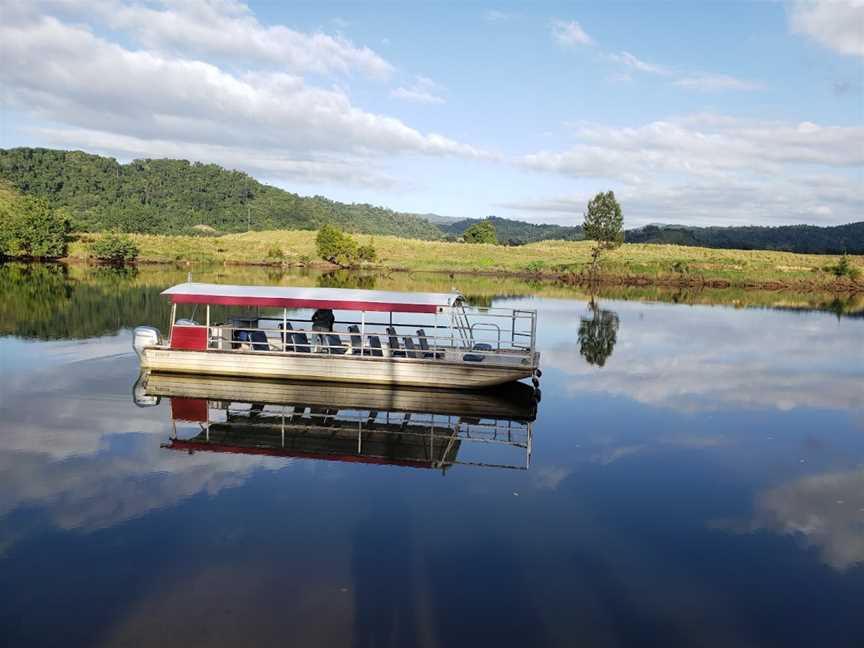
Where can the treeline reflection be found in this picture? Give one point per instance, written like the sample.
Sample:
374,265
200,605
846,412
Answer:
56,301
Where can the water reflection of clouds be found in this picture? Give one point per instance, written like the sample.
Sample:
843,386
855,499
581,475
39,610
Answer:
825,511
709,358
88,462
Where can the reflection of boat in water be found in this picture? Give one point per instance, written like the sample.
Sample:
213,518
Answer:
336,422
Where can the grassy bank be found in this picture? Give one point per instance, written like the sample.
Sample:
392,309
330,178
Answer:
630,264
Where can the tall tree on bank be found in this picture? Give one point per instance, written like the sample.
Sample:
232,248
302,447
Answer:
604,225
482,232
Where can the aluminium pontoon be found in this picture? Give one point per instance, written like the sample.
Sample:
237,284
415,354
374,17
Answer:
379,337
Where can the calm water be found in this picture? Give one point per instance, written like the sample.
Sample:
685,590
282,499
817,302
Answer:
696,477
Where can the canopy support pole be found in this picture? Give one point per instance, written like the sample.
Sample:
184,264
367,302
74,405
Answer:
171,323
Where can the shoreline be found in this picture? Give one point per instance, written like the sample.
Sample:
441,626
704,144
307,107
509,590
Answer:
567,262
835,286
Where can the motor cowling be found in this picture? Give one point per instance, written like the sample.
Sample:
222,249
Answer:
144,337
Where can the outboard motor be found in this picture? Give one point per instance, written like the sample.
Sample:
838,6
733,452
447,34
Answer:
145,336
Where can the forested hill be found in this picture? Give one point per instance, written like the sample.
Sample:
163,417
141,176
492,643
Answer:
176,196
791,238
515,232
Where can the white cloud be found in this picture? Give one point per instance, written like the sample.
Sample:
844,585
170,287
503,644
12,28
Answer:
228,29
716,83
569,33
263,164
693,81
835,24
713,169
421,90
495,15
627,59
134,99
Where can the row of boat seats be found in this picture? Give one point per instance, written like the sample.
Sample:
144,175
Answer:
299,342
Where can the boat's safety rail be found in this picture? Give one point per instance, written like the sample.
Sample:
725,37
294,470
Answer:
485,335
439,439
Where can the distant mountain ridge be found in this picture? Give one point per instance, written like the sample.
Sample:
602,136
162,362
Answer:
811,239
167,196
516,232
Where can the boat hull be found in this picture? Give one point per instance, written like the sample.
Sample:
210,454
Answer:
336,368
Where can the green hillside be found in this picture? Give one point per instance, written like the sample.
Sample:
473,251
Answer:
513,232
176,196
181,197
807,239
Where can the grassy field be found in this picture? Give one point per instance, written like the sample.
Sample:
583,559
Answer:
631,263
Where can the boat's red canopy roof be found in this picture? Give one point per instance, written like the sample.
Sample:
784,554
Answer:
334,298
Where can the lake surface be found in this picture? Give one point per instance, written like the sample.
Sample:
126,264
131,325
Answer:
695,476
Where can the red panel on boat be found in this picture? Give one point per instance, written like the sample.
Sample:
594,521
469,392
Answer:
189,409
193,338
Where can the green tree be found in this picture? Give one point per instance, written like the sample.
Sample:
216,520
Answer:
844,268
482,232
368,252
336,246
29,227
604,225
114,248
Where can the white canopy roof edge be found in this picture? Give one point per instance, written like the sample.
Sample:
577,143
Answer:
347,298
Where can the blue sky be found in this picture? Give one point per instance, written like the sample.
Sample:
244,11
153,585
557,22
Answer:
697,113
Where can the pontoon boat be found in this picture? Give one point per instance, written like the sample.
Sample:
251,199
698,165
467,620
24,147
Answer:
342,335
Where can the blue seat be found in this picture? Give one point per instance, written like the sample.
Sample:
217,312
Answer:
301,343
424,345
375,346
356,340
335,344
410,350
258,339
394,343
476,357
287,337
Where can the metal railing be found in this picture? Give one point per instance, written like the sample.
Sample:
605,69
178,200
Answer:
460,339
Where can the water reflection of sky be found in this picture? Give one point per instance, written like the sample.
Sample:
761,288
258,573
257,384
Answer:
703,487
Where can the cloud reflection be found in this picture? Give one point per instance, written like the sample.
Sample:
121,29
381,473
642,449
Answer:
711,358
74,448
825,512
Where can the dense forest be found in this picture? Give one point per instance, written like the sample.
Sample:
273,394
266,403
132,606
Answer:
177,196
513,232
180,197
790,238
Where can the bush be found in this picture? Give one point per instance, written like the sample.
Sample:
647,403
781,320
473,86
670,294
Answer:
535,266
482,232
275,252
680,267
367,252
29,227
114,248
844,268
337,247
